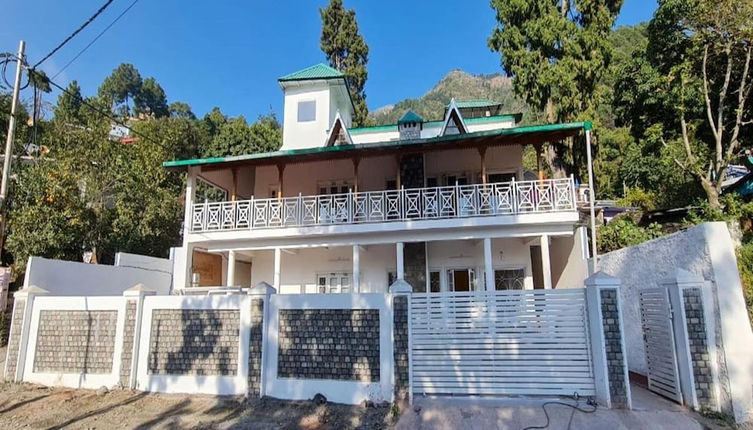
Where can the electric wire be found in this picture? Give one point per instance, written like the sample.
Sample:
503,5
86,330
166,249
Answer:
575,407
95,39
72,35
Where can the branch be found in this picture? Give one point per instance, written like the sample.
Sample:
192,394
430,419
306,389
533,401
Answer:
706,96
742,96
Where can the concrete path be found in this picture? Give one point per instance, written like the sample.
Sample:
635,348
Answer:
649,412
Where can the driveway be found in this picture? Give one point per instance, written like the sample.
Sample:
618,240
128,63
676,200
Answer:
649,412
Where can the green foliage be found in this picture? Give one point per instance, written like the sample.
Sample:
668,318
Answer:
151,99
622,232
236,137
181,110
732,209
638,198
346,51
124,83
745,267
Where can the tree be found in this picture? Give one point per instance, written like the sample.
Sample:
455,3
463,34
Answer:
181,110
694,85
151,100
68,107
236,137
123,83
346,51
557,53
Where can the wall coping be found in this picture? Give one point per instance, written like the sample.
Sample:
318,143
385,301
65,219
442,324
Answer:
31,290
262,289
139,290
401,287
602,280
683,279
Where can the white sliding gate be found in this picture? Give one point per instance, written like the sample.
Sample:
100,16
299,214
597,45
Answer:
522,342
659,339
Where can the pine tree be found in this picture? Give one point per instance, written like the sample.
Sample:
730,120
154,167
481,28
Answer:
346,51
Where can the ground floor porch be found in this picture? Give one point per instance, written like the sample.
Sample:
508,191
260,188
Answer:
530,262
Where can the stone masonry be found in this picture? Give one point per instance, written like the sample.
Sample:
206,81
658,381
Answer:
255,346
15,339
400,348
335,344
613,344
75,341
126,357
194,342
699,349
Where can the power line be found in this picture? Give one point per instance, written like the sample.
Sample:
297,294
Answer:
95,39
78,30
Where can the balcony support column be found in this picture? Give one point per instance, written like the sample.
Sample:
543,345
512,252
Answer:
356,268
546,266
482,153
280,180
537,148
399,162
234,190
278,262
488,264
230,268
400,248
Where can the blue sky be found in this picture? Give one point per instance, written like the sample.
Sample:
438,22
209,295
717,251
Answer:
230,53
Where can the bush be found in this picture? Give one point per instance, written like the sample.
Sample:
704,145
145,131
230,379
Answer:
638,198
622,232
745,267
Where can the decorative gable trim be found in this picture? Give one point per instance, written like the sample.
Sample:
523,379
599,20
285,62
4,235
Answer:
338,133
453,119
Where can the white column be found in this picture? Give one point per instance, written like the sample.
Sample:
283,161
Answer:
546,266
400,260
488,267
230,268
356,268
187,219
278,258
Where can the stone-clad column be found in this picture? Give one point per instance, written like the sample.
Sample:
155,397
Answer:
260,296
134,303
401,292
690,298
15,359
607,341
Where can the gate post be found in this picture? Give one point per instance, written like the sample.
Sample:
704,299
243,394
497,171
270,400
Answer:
129,357
607,341
15,360
260,295
695,338
403,378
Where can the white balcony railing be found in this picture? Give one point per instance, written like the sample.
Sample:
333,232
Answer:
460,201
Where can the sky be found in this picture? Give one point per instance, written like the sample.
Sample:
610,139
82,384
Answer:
229,53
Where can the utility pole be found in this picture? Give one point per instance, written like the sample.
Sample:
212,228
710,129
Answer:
9,144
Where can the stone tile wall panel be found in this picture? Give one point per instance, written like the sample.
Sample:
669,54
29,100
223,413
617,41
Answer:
126,357
255,346
699,348
333,344
400,348
613,343
14,338
194,342
75,341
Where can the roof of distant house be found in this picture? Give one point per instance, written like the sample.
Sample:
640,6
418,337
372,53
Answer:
475,103
317,71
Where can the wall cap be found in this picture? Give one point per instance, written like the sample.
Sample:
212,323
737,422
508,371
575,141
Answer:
262,289
684,278
401,287
32,290
139,290
601,279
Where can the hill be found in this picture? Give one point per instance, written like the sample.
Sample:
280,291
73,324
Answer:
461,86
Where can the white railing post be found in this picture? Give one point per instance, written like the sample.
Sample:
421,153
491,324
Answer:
251,214
573,193
401,202
457,199
513,196
299,209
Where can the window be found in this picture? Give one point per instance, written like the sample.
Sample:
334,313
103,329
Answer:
509,279
307,111
434,282
328,283
451,180
461,280
335,187
493,178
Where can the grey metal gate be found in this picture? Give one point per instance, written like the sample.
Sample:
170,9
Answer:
659,340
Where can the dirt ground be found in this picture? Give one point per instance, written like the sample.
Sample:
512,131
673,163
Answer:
37,407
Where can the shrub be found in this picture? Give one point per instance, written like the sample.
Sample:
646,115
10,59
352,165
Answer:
623,231
745,266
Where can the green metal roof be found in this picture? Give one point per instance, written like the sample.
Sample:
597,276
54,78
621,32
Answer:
318,71
570,128
427,124
474,103
410,116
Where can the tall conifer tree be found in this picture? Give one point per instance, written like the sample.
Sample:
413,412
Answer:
347,51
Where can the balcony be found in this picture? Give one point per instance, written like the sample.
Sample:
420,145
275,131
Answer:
460,201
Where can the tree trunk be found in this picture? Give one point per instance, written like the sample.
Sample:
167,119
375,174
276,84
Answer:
712,195
553,159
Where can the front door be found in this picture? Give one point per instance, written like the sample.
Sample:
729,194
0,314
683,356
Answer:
461,279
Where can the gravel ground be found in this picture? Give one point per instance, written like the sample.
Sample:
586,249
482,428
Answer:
37,407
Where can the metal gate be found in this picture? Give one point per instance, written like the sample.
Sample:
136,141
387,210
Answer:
528,342
659,339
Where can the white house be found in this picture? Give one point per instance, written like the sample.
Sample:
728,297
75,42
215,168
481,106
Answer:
441,204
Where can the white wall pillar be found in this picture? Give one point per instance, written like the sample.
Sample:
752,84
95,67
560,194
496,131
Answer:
230,268
400,248
488,264
356,268
187,220
278,262
546,265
